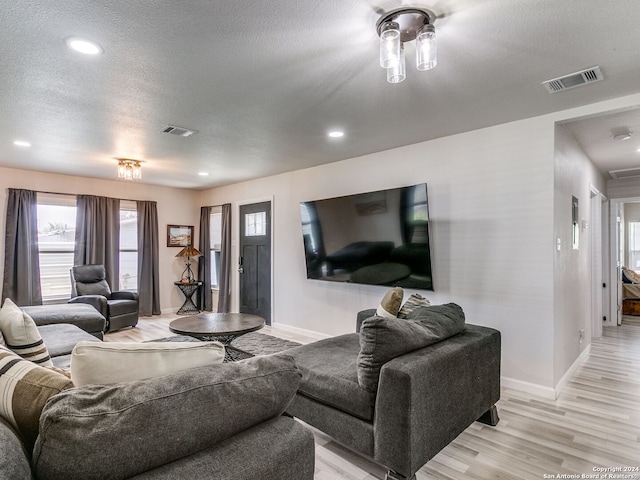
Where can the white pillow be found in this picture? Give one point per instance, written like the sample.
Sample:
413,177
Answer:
116,362
22,336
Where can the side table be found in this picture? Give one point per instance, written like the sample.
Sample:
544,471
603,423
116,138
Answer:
188,289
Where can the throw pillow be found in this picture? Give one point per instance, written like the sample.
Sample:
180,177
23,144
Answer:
133,427
2,342
415,301
390,304
115,362
383,339
24,389
21,334
632,276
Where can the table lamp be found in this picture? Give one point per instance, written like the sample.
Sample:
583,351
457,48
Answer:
187,274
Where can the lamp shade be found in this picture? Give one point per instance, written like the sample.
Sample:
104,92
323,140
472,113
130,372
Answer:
189,252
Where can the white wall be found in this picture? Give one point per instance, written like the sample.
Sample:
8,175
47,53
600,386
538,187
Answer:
574,173
490,198
175,206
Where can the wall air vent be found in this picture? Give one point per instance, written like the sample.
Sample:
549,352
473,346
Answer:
182,132
625,173
573,80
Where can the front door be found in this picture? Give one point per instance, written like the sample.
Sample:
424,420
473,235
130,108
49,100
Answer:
254,264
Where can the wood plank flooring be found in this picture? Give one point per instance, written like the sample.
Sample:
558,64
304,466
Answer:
594,423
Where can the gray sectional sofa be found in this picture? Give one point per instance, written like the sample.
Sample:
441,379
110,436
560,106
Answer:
400,390
220,421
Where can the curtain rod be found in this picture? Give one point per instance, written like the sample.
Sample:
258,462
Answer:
76,194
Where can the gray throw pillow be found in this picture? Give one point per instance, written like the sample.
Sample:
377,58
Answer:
128,428
383,339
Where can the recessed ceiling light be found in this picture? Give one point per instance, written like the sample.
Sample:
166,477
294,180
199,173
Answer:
203,174
83,46
622,136
21,143
336,134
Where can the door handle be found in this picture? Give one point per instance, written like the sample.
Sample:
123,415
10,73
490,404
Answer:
240,269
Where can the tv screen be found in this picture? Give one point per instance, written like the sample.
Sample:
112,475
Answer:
375,238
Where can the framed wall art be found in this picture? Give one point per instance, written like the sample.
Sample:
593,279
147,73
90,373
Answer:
179,235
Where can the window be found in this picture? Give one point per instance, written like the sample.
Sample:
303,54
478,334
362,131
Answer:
56,241
634,245
215,233
255,224
128,245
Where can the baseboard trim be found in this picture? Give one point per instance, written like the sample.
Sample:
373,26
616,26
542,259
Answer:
527,387
542,391
301,331
579,361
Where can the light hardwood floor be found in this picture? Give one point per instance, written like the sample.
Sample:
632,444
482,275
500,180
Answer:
594,423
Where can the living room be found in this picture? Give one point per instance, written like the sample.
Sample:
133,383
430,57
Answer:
499,201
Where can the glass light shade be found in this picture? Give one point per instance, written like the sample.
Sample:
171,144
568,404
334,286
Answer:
137,171
426,52
128,172
122,168
397,72
389,44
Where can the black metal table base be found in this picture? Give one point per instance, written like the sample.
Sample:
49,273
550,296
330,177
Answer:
231,354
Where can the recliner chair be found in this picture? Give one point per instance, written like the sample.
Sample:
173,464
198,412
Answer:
89,285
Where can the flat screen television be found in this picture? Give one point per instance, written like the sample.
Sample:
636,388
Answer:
375,238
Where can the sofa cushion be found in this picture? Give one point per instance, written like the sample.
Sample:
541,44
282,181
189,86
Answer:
115,362
390,303
60,339
382,339
80,314
14,462
133,427
24,389
21,334
413,302
329,374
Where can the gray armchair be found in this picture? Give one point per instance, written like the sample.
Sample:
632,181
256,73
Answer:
89,285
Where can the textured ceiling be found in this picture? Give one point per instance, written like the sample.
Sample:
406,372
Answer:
263,81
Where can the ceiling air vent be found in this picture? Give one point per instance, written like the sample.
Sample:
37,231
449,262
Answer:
625,173
173,130
573,80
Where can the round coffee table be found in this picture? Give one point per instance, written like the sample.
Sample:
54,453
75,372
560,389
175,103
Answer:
222,327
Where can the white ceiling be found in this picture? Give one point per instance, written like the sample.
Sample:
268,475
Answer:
263,81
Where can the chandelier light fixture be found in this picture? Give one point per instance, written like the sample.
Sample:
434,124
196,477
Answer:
129,169
402,25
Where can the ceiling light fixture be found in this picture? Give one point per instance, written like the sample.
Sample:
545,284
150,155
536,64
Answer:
129,169
622,136
21,143
405,25
81,45
336,134
203,174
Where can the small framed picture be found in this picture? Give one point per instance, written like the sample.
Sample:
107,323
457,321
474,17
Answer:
179,235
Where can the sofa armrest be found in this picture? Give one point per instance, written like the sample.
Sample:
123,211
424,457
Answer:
362,316
124,295
427,397
99,302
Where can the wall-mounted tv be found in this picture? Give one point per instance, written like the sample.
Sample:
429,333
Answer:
375,238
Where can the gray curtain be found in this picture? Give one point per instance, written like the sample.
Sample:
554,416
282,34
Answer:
21,282
148,265
224,298
204,262
98,235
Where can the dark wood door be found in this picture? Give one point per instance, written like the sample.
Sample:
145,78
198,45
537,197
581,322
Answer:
254,264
